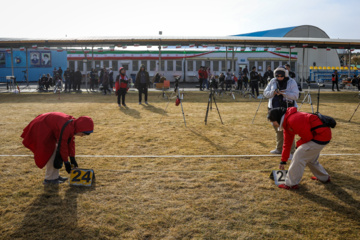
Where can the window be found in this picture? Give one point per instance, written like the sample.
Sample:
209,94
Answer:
207,63
276,64
170,65
292,66
152,65
97,64
72,65
162,65
144,62
106,64
88,65
268,63
215,65
251,65
223,68
190,65
80,66
198,64
178,65
126,66
115,65
135,65
260,67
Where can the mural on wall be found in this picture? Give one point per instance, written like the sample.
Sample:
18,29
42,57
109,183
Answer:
40,59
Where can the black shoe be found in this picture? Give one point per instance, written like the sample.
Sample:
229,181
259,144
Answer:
63,179
55,181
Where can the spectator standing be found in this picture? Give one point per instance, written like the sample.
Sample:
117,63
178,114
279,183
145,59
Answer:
291,73
72,79
245,71
142,83
60,71
121,86
282,91
268,75
77,80
335,80
201,77
240,79
228,79
106,81
55,72
67,80
254,79
92,79
111,79
222,81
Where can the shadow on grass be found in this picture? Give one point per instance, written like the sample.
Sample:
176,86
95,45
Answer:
51,217
130,112
351,210
206,139
154,109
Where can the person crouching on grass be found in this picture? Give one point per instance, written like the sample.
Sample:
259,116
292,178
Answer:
121,86
42,135
313,139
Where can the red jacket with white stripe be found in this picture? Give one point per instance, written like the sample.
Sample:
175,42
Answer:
301,123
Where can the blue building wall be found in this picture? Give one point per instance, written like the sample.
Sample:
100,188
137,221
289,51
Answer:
37,64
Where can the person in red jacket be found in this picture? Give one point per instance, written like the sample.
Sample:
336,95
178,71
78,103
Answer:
201,73
313,139
42,135
121,86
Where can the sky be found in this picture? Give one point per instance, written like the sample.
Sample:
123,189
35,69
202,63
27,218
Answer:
79,18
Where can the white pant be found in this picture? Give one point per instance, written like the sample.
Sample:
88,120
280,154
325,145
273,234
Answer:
51,173
306,155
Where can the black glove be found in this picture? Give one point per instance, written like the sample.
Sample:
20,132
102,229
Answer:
73,161
68,167
282,163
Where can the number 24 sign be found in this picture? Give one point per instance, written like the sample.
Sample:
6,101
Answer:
82,177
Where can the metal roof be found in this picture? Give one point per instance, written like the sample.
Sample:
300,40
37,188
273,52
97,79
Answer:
181,40
278,32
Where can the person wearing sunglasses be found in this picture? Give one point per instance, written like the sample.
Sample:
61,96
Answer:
282,91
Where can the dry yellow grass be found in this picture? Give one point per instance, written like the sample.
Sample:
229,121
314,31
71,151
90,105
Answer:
176,198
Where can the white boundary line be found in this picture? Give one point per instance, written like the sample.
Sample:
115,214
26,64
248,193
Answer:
184,156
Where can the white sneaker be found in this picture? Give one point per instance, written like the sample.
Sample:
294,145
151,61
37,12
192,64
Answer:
290,157
275,151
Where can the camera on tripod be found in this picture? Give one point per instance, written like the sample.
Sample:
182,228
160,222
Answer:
213,84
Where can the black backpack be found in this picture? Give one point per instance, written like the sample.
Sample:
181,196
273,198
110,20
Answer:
326,120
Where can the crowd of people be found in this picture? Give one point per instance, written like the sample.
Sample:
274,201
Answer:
244,80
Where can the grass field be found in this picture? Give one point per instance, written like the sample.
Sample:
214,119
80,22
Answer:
176,197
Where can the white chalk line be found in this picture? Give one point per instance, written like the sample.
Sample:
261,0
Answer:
182,156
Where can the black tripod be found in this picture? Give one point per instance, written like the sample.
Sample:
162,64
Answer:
356,108
211,99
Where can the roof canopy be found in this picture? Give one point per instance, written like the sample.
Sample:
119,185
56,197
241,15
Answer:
182,40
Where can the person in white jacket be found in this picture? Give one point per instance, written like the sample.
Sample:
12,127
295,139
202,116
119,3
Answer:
281,91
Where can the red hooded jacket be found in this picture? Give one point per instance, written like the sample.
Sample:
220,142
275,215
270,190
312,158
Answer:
301,123
42,134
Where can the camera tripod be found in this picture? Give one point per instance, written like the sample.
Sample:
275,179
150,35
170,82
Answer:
308,97
356,108
25,80
211,99
179,98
